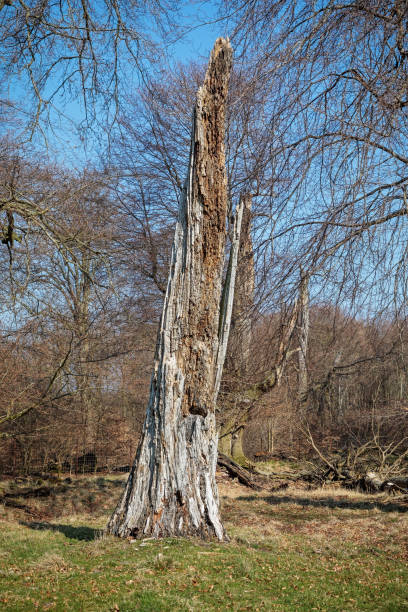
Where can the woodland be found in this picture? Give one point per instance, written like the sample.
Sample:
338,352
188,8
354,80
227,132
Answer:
278,171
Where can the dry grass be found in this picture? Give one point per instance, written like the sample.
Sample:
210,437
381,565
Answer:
299,549
50,561
328,516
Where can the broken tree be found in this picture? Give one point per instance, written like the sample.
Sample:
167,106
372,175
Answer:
233,419
241,320
171,490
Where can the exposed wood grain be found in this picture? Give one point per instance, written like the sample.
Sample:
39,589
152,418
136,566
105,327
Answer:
171,488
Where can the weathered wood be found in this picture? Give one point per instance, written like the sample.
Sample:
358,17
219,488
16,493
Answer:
237,471
374,483
239,335
241,327
228,294
171,488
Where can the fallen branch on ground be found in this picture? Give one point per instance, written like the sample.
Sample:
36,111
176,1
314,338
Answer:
237,471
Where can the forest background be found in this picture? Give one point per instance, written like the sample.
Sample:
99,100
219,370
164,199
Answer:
96,102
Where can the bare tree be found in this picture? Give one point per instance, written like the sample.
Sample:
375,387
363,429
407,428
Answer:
335,77
343,72
54,52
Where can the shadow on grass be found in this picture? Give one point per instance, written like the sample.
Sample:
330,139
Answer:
329,502
73,533
103,482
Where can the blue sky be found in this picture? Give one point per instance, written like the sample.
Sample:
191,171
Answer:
199,39
62,140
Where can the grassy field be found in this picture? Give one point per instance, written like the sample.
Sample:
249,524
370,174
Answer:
326,549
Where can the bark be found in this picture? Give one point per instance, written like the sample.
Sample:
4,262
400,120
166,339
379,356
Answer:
373,483
225,439
228,294
238,306
171,490
237,471
303,333
253,480
231,435
241,327
237,451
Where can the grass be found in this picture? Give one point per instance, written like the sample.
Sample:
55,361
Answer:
278,465
300,550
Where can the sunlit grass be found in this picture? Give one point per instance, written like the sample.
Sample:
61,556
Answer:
300,550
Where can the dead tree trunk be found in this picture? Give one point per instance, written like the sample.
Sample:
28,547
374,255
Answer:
228,294
171,490
240,336
241,325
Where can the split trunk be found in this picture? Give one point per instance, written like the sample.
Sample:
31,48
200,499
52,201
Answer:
240,340
171,490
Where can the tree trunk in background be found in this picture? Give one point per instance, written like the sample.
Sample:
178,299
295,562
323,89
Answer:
228,293
81,303
303,334
224,443
171,490
241,327
237,451
240,337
